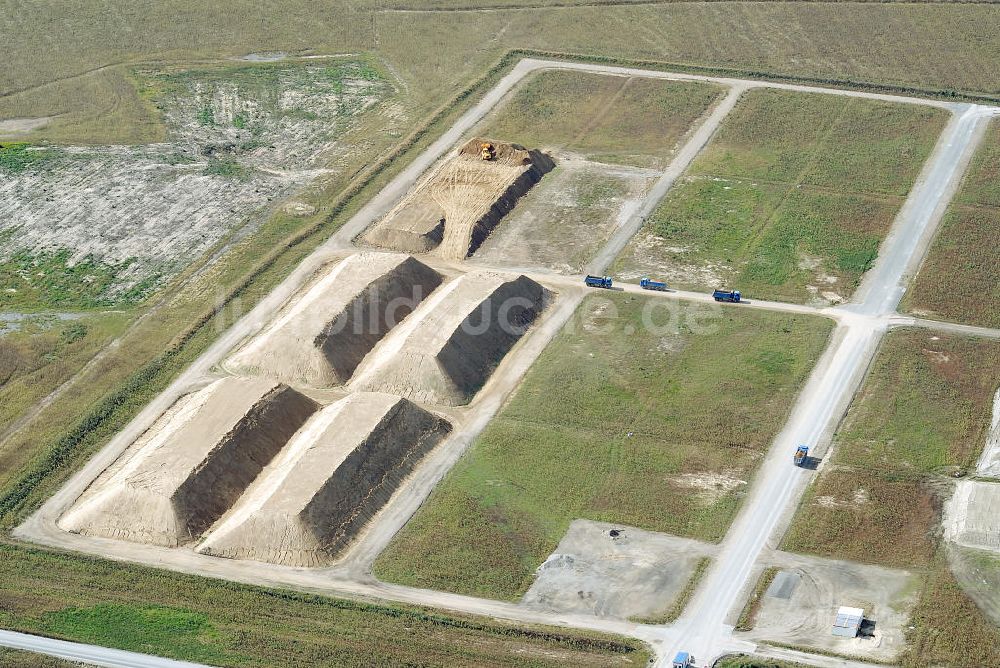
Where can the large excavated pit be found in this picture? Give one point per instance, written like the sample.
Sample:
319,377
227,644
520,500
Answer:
320,339
455,209
328,482
192,465
447,350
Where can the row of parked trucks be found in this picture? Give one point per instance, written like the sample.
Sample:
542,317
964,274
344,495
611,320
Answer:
646,283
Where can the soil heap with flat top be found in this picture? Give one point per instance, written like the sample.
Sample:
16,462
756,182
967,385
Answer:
320,339
331,478
451,345
458,205
192,465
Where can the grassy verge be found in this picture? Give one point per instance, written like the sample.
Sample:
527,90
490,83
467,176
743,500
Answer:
748,616
671,614
784,202
744,661
10,658
656,427
611,119
226,624
960,279
948,628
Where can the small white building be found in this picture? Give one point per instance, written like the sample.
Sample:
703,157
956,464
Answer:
848,622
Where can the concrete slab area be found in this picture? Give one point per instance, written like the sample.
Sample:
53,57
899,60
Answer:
800,605
635,573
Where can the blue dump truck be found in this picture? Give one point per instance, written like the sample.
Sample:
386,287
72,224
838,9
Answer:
598,281
648,284
726,296
682,660
801,455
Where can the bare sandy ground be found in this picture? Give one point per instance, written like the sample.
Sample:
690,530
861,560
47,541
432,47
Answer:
182,474
635,573
800,605
447,350
15,127
460,202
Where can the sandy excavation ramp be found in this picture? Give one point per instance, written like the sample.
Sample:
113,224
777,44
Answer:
446,352
320,339
333,476
457,207
192,465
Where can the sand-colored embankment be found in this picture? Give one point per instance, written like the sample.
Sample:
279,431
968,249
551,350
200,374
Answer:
321,338
456,208
192,465
446,352
333,476
972,515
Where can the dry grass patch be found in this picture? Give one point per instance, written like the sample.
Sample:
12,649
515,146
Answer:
950,630
867,518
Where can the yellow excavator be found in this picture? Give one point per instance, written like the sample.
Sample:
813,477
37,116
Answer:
487,151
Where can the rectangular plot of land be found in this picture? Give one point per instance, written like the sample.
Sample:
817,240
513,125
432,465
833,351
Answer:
565,219
616,422
624,120
790,200
802,603
610,570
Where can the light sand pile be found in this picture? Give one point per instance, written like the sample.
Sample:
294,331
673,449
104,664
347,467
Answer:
320,339
457,207
331,478
446,352
192,465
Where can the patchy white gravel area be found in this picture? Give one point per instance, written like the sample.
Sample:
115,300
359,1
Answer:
236,144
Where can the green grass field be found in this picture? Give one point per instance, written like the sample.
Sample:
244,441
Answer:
609,119
921,416
227,624
960,279
790,199
616,423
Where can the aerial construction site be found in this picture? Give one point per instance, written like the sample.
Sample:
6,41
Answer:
652,364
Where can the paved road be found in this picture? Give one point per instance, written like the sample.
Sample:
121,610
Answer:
90,654
819,406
